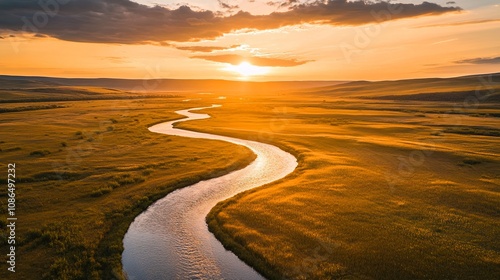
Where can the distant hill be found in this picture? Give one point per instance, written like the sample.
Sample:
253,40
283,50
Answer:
485,95
458,89
7,82
163,85
435,89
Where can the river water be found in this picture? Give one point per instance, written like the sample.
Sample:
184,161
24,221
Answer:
170,240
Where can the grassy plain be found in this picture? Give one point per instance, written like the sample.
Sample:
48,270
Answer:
396,180
86,168
387,187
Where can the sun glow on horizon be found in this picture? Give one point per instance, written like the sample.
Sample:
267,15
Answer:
245,69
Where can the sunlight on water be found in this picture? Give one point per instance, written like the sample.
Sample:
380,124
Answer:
170,240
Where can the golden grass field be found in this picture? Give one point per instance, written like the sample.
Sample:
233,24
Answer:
85,170
385,189
396,180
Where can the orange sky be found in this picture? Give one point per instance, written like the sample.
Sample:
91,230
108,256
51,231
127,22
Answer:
338,47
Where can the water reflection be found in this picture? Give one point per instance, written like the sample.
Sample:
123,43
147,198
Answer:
170,240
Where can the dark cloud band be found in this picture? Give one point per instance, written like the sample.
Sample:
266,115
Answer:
481,60
205,48
127,22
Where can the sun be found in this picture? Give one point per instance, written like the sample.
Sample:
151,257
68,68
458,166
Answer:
245,69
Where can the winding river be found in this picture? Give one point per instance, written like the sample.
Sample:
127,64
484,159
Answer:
170,240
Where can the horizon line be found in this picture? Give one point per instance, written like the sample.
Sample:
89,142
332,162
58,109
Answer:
244,81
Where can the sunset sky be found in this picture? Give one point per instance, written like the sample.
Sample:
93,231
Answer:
252,40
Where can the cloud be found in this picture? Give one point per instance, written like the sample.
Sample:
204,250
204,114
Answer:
460,23
227,6
115,59
235,59
444,41
281,4
205,48
480,60
127,22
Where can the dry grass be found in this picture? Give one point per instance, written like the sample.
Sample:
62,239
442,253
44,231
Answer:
85,170
377,194
385,188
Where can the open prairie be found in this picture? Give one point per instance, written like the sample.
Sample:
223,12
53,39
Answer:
250,139
85,169
396,180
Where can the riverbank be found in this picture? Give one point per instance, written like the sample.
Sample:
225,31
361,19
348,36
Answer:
82,179
381,191
179,244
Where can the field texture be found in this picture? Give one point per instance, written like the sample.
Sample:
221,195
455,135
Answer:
396,180
85,169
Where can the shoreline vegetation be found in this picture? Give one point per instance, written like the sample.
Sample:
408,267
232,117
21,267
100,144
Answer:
384,189
113,269
86,170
